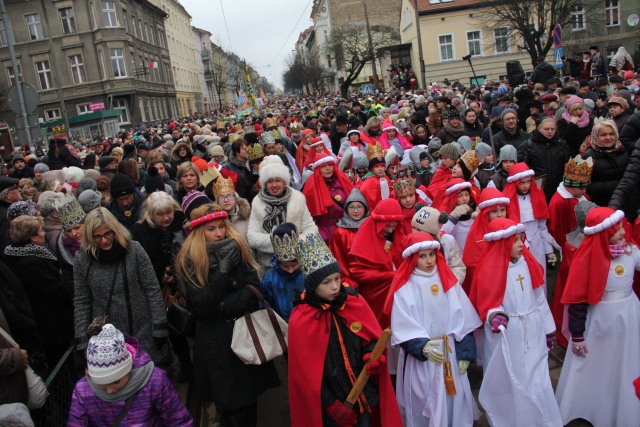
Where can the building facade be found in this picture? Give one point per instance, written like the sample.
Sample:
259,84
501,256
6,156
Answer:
86,58
321,17
202,45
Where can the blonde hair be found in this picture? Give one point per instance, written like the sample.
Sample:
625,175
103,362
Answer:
575,106
23,228
157,203
97,218
182,169
602,123
192,263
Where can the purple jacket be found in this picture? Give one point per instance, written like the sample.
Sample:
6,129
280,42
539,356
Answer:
156,404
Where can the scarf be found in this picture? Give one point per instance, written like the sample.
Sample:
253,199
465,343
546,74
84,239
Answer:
115,254
71,245
138,379
218,250
456,132
30,250
276,209
584,118
618,250
602,149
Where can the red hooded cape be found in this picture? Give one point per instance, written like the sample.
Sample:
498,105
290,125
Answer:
301,153
308,342
538,200
440,178
319,200
449,201
371,190
490,278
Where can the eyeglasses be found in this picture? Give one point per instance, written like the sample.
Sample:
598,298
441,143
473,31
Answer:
356,208
108,235
226,198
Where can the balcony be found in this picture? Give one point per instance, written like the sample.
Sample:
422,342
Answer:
205,54
208,75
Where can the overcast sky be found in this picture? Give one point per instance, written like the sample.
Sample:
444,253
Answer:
257,28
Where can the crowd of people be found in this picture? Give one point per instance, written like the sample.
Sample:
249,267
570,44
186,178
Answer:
434,212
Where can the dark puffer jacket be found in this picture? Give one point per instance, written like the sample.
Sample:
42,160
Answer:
608,169
630,132
573,134
504,137
627,193
545,157
60,156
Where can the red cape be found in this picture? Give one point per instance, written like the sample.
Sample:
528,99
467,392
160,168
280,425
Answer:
562,217
371,191
538,202
340,246
440,178
319,199
308,344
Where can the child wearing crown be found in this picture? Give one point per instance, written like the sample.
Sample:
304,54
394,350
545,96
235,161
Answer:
596,382
432,321
572,189
377,186
332,332
408,198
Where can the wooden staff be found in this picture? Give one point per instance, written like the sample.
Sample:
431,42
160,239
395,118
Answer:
358,386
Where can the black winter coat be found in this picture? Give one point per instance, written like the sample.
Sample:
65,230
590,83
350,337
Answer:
543,72
630,132
222,377
627,193
64,158
503,138
608,169
573,134
545,157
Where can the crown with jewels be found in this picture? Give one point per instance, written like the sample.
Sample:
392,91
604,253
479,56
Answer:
284,247
69,211
222,186
313,254
577,172
255,152
375,151
249,129
267,138
276,134
404,187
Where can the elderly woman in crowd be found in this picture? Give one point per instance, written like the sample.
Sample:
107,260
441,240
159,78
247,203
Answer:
115,278
276,203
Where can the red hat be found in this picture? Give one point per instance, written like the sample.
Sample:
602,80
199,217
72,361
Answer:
316,192
517,173
411,247
259,130
201,164
172,125
454,187
490,278
590,266
489,199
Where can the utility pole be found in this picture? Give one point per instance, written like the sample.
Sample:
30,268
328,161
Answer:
371,55
419,36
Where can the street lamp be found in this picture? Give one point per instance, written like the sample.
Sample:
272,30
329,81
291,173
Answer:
468,58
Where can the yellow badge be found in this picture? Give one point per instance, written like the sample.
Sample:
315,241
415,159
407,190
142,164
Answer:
387,247
127,213
619,270
356,327
337,197
435,289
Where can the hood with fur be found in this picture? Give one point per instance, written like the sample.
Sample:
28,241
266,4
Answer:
178,146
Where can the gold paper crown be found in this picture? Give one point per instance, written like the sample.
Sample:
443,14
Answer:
577,172
284,247
237,128
233,137
222,186
374,151
270,122
313,254
470,160
276,135
255,152
404,187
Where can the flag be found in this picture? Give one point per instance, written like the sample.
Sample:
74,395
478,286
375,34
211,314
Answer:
242,100
250,96
153,65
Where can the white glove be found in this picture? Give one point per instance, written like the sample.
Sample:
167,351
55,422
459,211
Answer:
552,259
462,366
474,214
460,211
431,353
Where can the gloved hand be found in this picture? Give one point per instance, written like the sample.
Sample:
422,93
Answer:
230,261
497,321
460,211
552,259
431,353
160,341
551,341
374,368
579,348
463,365
564,58
341,415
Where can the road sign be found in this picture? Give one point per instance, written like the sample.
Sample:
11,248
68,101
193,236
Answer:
367,89
30,98
559,57
557,36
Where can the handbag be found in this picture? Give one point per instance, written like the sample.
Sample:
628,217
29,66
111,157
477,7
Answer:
261,336
179,318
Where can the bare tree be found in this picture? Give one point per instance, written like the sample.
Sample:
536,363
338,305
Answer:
348,46
530,23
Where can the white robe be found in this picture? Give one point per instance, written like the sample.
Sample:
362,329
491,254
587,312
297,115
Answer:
459,231
516,389
538,237
599,387
420,313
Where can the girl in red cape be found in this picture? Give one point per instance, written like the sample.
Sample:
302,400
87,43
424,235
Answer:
332,332
408,198
304,147
326,191
604,321
459,205
375,253
449,156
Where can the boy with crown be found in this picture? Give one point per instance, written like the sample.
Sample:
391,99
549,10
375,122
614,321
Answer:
377,186
519,331
432,321
408,198
572,189
596,382
332,332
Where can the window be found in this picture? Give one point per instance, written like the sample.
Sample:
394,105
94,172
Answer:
34,27
52,114
140,30
474,45
12,76
501,36
103,67
3,34
146,31
133,64
143,116
117,63
161,39
67,20
446,47
577,17
44,75
109,14
133,26
121,104
612,13
83,108
77,69
151,37
124,19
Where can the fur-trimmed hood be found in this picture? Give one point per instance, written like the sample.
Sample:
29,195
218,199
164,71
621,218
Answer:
178,146
244,209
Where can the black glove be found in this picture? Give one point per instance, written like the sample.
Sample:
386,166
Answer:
159,341
230,261
564,58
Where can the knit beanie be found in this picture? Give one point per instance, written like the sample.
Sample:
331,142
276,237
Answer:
108,359
508,110
87,184
89,200
449,150
154,181
429,220
453,113
121,185
91,173
316,261
40,167
272,167
105,161
21,208
192,200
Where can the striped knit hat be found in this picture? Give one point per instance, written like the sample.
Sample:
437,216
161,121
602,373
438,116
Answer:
108,359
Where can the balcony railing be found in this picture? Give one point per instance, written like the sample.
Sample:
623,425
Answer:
205,55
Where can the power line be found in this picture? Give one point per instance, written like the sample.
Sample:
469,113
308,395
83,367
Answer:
226,26
292,30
